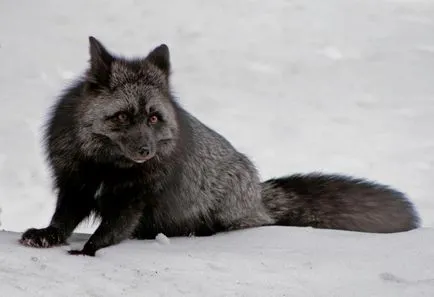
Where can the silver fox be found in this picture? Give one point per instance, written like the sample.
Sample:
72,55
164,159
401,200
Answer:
122,148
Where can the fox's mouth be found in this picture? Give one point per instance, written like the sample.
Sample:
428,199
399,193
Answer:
138,157
140,161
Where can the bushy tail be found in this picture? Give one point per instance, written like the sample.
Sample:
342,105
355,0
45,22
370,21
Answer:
338,202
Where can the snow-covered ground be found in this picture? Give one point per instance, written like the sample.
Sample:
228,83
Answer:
332,85
268,261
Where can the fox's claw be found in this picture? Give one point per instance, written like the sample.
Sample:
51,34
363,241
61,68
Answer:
42,238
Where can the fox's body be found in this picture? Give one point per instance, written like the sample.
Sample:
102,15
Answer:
121,147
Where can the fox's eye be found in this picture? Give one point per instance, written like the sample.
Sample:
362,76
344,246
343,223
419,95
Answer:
122,117
153,119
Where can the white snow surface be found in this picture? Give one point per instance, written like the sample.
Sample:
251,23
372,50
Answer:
267,261
323,85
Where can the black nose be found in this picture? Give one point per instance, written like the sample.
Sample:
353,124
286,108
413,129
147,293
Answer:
144,151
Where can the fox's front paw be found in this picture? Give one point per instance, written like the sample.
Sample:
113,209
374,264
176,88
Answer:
42,238
82,252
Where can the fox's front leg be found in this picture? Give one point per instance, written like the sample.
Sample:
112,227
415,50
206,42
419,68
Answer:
74,203
119,220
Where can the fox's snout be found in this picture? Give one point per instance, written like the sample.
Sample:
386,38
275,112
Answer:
140,153
138,145
144,153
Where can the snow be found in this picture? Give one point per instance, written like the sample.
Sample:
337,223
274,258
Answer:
163,239
337,85
268,261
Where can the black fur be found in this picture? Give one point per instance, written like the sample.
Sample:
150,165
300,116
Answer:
338,202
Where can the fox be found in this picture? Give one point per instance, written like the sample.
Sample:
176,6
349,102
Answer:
121,147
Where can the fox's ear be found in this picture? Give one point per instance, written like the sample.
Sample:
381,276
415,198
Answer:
160,57
100,62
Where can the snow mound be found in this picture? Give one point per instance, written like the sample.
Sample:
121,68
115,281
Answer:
163,239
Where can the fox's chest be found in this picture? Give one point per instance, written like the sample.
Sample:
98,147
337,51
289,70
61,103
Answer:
169,208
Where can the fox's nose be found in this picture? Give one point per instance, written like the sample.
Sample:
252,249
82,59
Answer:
144,151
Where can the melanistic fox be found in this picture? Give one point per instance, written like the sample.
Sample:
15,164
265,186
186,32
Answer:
121,147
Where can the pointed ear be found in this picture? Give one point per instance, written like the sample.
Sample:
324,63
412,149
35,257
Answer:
160,57
100,62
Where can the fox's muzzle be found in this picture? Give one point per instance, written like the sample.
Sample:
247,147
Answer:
138,145
144,154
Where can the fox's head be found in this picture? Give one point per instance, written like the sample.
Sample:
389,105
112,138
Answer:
127,113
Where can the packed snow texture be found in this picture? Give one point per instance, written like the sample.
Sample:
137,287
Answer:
268,261
299,86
